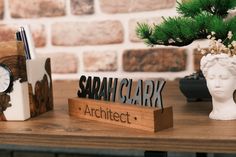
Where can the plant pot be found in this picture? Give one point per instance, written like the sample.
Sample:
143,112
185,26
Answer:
220,73
194,89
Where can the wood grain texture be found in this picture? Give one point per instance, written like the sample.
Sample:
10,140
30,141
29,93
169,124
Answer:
11,48
12,55
193,131
42,100
127,115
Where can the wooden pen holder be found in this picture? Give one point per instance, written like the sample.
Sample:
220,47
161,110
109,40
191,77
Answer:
25,85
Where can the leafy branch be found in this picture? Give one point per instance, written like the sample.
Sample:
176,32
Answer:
198,19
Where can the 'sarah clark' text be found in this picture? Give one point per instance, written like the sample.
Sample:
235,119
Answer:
146,93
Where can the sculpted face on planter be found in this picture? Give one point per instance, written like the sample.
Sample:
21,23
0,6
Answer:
220,73
220,82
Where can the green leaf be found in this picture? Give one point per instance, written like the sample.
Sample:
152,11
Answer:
199,18
143,30
232,24
217,25
189,8
220,8
202,22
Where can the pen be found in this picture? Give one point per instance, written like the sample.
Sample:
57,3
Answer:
23,37
30,41
18,37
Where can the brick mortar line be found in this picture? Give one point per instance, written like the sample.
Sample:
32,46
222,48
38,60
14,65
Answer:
124,46
120,61
81,62
68,8
48,31
6,10
97,9
93,17
190,60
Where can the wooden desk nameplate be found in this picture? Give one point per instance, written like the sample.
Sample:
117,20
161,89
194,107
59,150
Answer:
139,111
128,115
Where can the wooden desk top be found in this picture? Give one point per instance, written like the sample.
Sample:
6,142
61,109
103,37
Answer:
193,130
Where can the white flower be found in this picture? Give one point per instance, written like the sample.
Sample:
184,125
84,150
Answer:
233,43
209,37
203,52
171,41
230,34
218,46
223,47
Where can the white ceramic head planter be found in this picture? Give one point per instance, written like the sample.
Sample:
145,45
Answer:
220,73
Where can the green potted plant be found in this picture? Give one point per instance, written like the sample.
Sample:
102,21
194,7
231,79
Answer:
198,19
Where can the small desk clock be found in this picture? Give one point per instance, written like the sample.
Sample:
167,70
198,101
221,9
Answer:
6,79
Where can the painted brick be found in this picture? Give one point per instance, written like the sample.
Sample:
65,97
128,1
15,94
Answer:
155,60
37,8
62,63
7,32
100,61
87,33
133,23
81,7
38,34
125,6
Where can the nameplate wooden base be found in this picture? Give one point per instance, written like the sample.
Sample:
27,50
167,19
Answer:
133,116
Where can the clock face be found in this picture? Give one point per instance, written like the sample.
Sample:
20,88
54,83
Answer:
5,78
